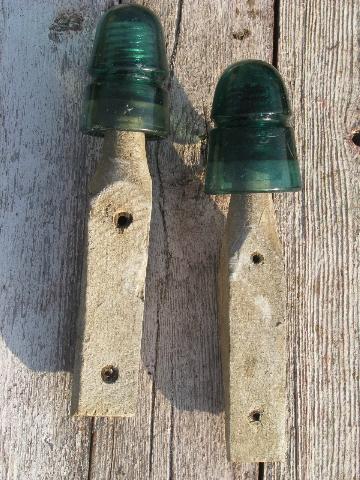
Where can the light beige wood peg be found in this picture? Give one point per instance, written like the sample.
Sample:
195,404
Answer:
113,286
253,331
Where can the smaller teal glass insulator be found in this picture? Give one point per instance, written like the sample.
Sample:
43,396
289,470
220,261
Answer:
252,147
130,72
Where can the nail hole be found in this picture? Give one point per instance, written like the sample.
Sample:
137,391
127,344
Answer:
255,416
122,220
242,34
356,138
109,374
257,258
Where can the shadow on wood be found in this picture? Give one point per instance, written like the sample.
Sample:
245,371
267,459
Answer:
181,288
180,342
180,346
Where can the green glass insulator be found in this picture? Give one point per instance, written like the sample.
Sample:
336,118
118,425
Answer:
130,72
252,147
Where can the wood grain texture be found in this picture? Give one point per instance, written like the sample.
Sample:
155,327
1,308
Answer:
44,50
319,58
113,280
253,331
178,431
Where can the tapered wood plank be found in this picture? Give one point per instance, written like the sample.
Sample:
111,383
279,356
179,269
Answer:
113,280
252,326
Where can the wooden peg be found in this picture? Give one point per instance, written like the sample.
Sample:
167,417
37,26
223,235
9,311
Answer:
253,332
115,260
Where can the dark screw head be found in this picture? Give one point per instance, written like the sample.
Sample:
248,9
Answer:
109,374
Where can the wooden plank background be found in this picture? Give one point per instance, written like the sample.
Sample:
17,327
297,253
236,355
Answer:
178,432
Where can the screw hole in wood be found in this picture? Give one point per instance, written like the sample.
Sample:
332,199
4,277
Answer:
355,137
255,416
122,220
257,258
109,374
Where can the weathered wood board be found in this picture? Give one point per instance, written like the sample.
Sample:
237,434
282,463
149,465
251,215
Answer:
113,281
318,54
178,431
253,331
43,184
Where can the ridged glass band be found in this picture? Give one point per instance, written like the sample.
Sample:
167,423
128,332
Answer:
252,147
130,72
260,171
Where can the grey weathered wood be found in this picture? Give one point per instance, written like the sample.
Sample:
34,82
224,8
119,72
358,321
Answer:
44,50
319,58
179,428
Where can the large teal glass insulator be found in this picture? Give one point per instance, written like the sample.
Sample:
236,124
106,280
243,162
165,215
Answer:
252,147
130,72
